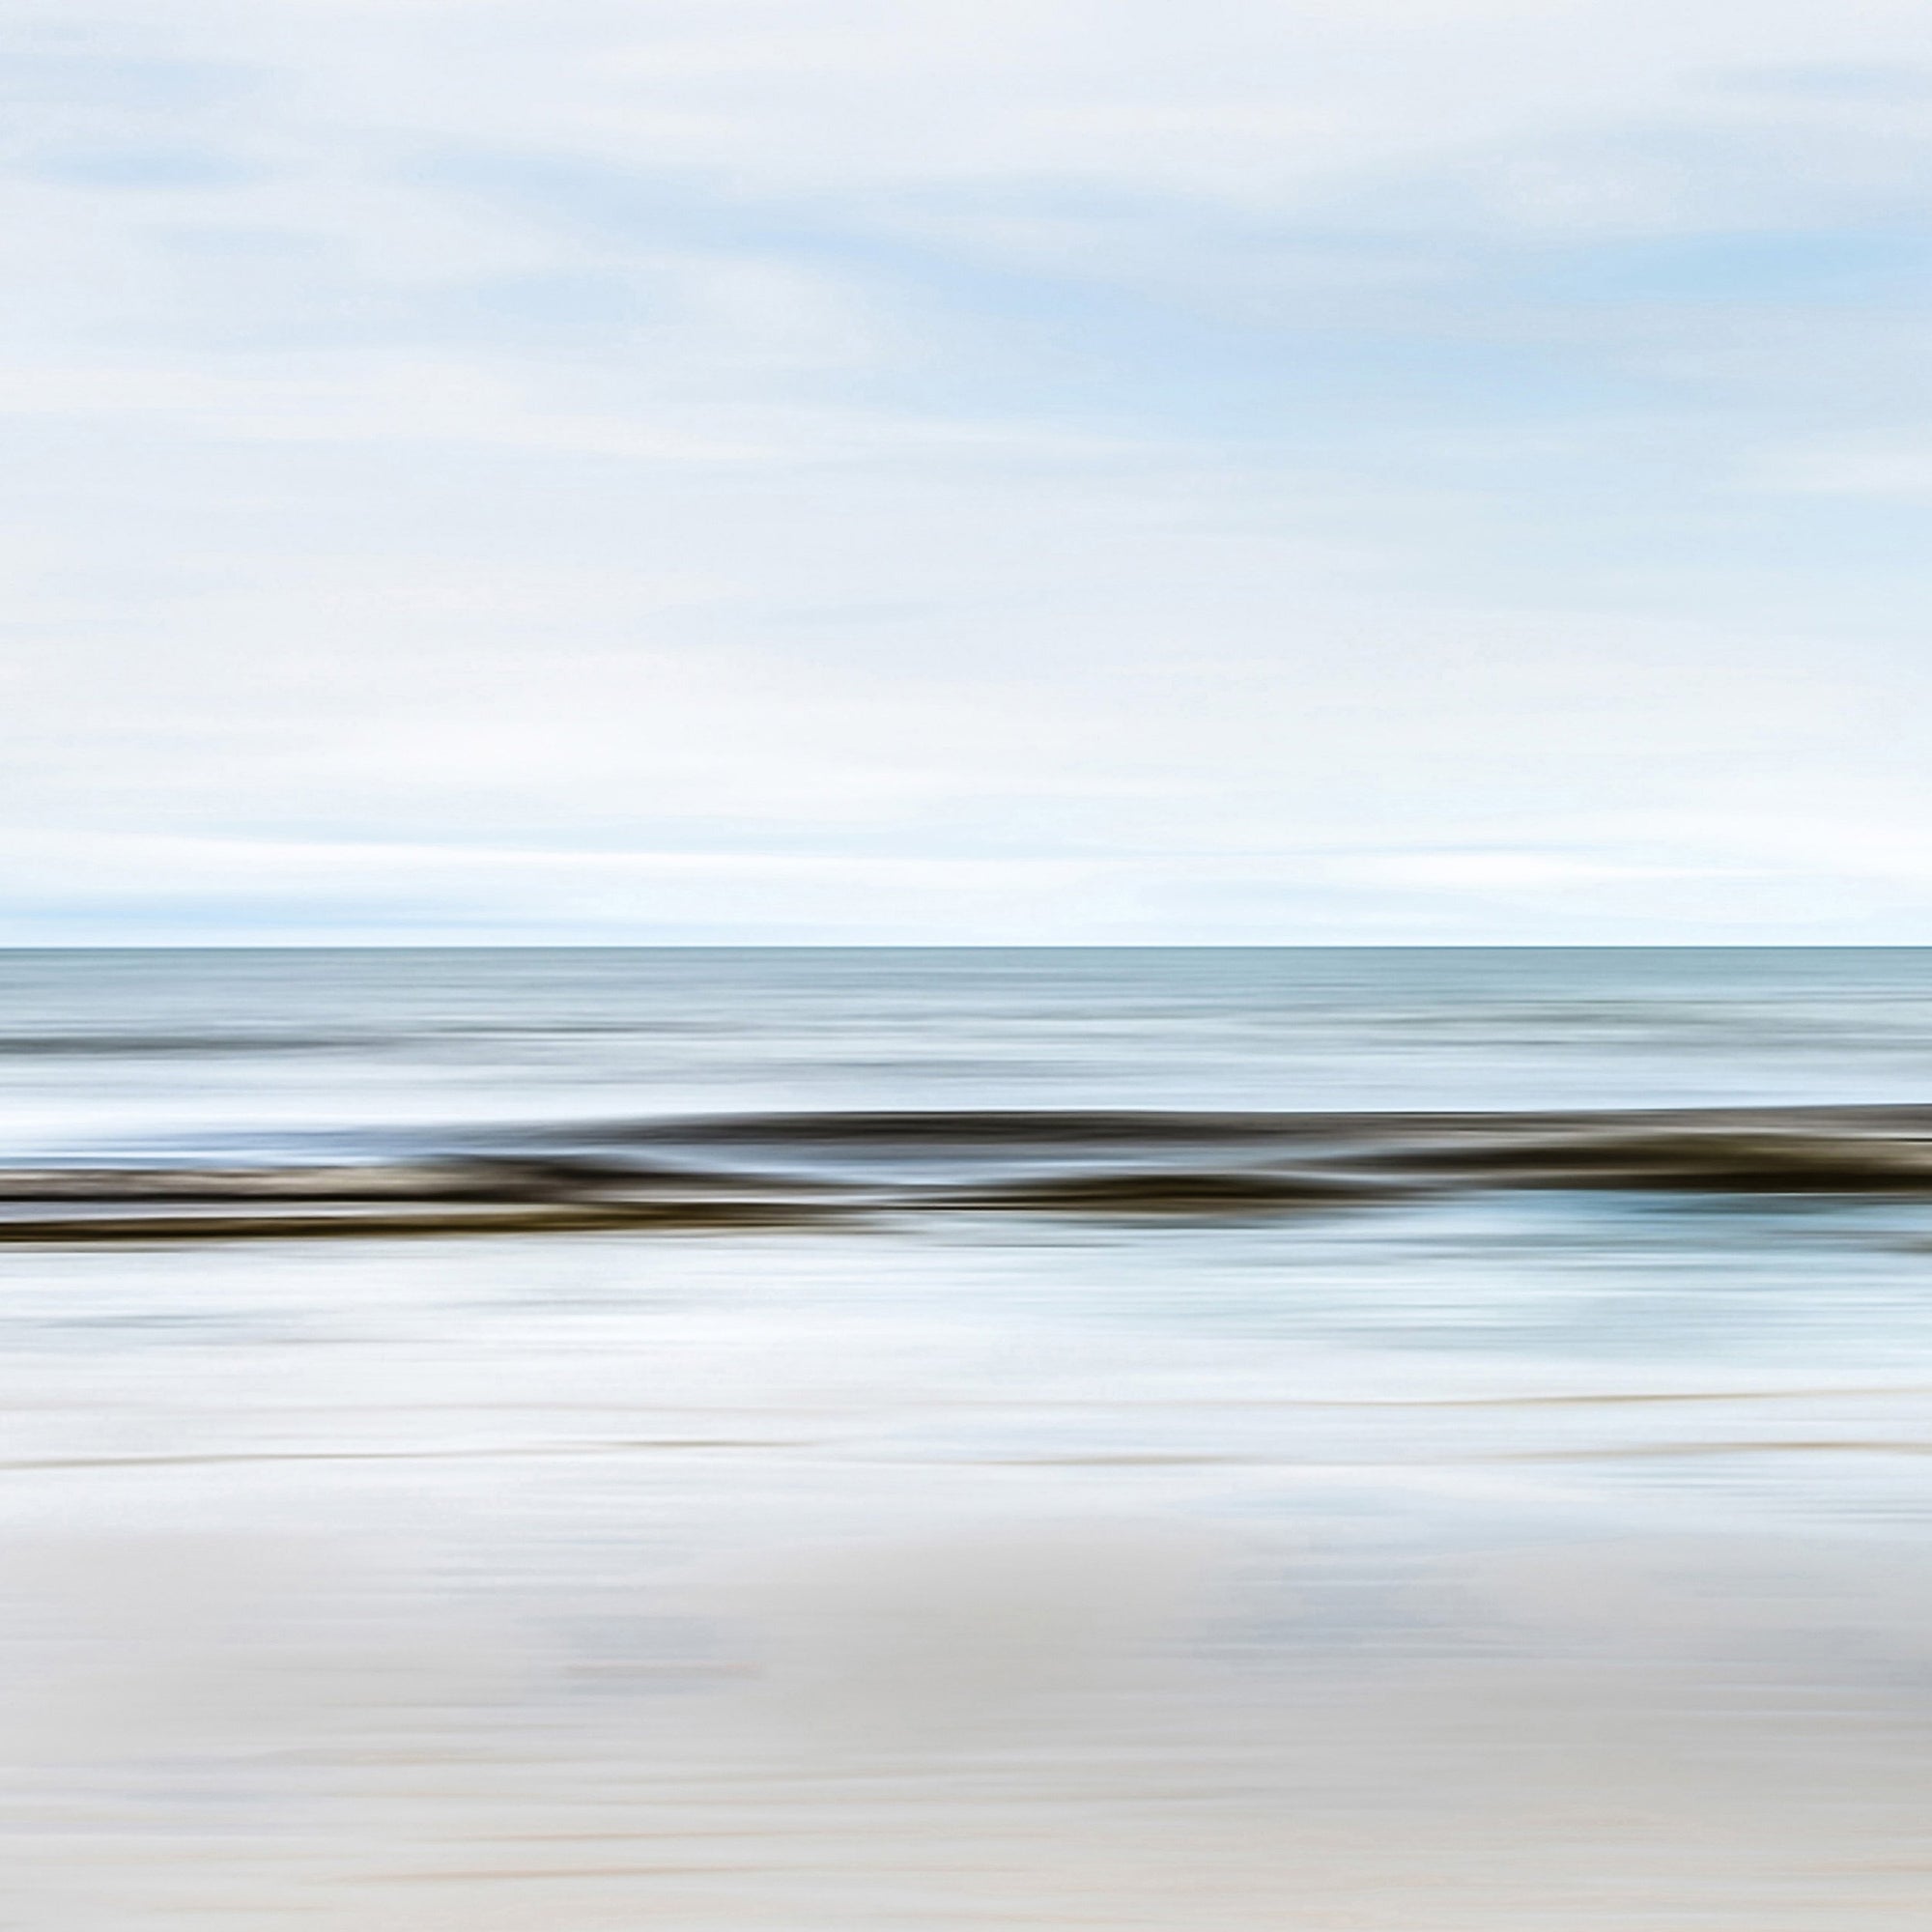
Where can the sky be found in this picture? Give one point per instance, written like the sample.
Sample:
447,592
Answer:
1256,472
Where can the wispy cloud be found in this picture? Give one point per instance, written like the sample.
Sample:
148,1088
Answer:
847,470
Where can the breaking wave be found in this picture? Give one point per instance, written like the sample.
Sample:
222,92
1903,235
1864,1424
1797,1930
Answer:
747,1170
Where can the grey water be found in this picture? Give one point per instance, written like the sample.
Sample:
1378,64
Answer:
1531,1532
151,1049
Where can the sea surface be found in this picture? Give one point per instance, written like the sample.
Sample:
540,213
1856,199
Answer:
1221,1440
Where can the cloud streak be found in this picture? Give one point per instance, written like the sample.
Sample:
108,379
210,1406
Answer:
838,472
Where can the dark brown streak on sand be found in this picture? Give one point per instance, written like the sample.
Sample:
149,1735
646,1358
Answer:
514,1450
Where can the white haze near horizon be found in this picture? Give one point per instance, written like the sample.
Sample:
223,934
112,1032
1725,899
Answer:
1443,471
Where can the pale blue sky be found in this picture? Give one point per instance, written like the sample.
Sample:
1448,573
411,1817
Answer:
1424,471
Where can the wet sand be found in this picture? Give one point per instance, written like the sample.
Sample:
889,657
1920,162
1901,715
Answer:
782,1581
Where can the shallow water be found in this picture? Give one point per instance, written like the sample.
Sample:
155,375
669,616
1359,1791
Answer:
1538,1553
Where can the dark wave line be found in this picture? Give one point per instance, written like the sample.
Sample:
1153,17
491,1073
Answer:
745,1170
118,1046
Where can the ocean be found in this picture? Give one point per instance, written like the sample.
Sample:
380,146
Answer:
817,1440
